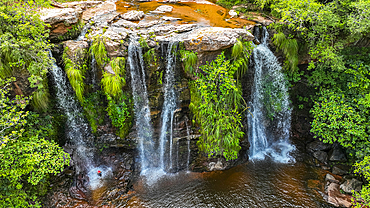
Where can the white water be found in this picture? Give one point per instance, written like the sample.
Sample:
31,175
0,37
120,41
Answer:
169,106
188,142
141,107
267,71
77,132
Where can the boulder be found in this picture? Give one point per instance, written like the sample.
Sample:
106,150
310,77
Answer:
133,15
105,8
233,13
340,170
331,178
163,9
321,156
351,185
167,29
212,166
77,51
165,18
124,23
214,38
337,154
318,146
81,4
336,198
60,20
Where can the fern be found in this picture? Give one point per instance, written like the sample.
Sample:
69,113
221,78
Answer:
290,49
150,56
98,50
241,52
189,59
40,99
75,75
112,84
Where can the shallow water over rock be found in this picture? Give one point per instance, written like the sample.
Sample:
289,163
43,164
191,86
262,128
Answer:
200,12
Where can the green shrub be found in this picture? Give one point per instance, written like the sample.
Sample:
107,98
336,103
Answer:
216,105
112,84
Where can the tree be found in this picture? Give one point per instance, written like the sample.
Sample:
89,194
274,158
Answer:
25,158
23,46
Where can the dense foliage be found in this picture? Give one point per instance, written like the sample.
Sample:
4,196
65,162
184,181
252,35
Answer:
334,35
23,46
26,157
216,100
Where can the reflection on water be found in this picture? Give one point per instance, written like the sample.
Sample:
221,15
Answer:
255,184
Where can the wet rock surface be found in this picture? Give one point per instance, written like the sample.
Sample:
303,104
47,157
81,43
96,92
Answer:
74,190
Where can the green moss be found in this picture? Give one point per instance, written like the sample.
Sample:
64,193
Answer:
119,112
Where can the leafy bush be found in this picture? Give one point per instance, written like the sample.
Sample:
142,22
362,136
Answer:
190,59
26,158
119,113
112,84
216,104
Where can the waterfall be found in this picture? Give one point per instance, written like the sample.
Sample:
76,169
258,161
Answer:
78,131
188,142
141,106
169,105
94,70
269,124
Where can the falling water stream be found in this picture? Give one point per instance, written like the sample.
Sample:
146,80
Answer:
78,132
169,106
271,179
269,91
141,108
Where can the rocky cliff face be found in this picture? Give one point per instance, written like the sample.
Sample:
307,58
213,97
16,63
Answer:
117,29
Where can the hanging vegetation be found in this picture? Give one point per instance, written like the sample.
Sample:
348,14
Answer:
241,52
290,49
99,51
75,71
190,59
112,84
216,102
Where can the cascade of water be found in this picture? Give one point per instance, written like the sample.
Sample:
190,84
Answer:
78,130
188,142
268,74
83,32
169,105
141,106
93,70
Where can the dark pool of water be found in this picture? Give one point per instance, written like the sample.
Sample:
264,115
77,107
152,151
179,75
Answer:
254,184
